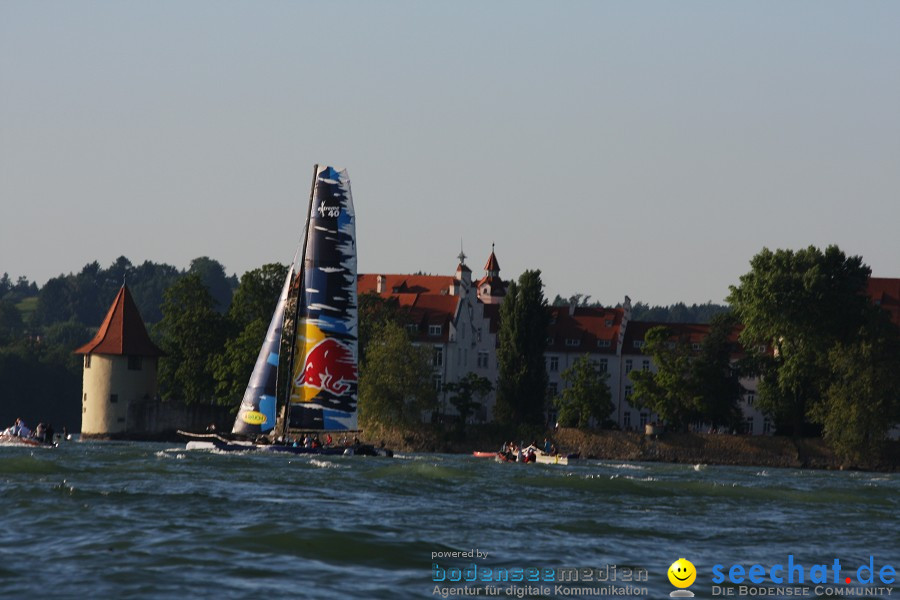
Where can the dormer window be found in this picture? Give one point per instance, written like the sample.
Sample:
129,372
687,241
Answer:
604,343
609,322
412,328
434,330
573,343
638,344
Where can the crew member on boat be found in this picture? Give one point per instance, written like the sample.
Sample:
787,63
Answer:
18,430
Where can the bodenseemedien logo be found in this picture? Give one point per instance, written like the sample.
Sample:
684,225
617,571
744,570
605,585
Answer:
682,574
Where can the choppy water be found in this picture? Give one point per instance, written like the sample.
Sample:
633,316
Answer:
129,520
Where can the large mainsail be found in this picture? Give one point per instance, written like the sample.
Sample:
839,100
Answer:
323,384
256,414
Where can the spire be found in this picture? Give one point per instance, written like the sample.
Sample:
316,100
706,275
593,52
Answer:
462,255
492,267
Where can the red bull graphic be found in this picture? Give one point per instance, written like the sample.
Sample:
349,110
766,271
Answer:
324,374
329,365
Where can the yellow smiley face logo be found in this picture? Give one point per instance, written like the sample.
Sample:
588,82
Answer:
682,573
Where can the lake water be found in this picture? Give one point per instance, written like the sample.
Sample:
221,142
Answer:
139,520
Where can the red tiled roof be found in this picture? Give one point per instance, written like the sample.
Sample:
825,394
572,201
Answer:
405,284
122,331
690,333
885,292
425,297
585,329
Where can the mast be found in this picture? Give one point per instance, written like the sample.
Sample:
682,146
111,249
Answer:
302,279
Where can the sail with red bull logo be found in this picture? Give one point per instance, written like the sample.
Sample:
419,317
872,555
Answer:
324,375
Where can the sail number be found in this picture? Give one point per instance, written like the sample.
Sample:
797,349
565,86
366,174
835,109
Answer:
329,211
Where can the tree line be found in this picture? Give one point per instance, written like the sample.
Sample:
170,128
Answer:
826,357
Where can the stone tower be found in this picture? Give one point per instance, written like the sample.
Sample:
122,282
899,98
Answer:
120,368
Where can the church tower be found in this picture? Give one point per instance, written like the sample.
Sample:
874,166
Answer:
491,289
120,368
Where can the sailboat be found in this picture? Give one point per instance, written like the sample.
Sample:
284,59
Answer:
316,324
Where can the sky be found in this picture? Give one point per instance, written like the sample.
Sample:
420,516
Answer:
647,149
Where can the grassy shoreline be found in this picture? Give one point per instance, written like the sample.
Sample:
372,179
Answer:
688,448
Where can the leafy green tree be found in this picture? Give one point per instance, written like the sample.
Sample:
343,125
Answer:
524,319
395,385
669,392
800,303
715,377
467,394
55,302
247,322
586,395
257,295
862,401
191,332
148,283
11,326
374,312
212,273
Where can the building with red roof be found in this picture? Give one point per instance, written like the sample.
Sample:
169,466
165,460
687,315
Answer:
120,369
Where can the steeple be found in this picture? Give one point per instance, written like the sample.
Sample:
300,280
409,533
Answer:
491,289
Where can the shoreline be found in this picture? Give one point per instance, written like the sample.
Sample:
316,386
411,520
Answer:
684,448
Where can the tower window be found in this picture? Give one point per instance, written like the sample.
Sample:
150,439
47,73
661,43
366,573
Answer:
87,361
113,398
135,363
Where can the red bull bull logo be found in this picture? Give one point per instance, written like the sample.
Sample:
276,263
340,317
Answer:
329,365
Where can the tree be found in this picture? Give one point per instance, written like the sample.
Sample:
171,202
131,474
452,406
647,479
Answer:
191,333
212,273
862,401
374,313
669,392
715,377
467,395
247,322
522,385
395,385
11,326
586,395
800,304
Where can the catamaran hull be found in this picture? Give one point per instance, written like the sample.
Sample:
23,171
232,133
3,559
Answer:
12,440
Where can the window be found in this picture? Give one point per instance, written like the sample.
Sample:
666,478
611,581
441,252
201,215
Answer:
609,322
553,389
572,343
87,361
604,343
437,357
603,365
437,382
135,363
761,349
626,420
767,425
695,346
113,398
645,365
628,366
638,344
751,398
748,425
628,391
84,399
434,330
550,340
466,357
554,364
482,360
412,328
120,420
645,417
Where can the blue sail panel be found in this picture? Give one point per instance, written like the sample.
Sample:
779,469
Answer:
257,411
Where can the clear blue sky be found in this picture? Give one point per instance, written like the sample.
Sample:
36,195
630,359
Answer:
641,148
